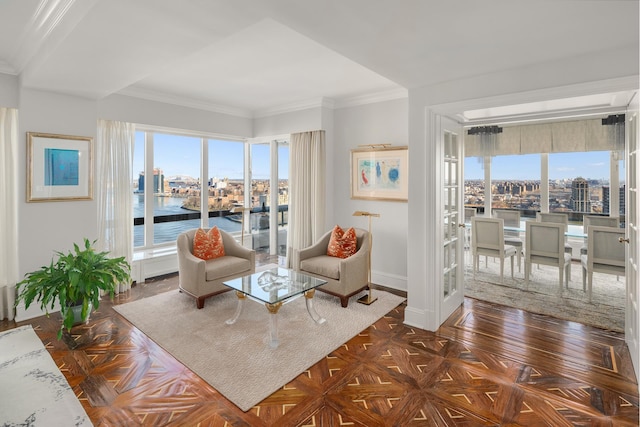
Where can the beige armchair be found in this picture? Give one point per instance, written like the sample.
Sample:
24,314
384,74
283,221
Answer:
202,279
345,276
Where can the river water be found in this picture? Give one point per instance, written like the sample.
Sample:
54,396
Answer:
168,231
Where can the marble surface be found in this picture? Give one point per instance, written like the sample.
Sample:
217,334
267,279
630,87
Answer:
33,391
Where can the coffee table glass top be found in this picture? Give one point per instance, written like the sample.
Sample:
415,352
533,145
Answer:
275,284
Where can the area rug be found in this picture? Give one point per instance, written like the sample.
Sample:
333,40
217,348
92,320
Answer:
236,359
33,391
542,296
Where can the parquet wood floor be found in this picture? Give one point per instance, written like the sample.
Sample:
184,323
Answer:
488,365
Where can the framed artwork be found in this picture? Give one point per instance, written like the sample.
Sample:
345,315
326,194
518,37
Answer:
59,167
380,173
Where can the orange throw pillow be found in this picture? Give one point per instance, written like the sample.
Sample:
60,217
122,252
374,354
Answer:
208,245
342,243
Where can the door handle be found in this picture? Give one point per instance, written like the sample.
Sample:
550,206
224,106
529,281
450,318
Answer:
462,225
623,240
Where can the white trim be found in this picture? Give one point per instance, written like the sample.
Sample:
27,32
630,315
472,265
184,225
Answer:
580,89
186,132
295,106
388,280
372,98
185,102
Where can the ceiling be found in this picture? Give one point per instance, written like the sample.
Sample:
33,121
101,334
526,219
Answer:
252,57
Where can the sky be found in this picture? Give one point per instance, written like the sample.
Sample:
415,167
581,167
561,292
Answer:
589,165
180,156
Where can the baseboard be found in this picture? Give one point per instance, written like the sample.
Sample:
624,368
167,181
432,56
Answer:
392,281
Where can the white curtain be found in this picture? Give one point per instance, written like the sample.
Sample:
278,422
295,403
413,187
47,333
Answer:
115,215
307,191
8,211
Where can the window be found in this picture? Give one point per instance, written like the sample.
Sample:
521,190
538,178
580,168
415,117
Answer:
170,171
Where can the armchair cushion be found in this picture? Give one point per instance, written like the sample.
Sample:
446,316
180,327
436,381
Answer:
323,265
222,267
342,243
208,245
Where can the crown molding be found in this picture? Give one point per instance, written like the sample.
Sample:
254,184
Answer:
295,106
372,98
185,102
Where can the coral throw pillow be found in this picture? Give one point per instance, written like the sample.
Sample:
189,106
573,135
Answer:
342,243
208,245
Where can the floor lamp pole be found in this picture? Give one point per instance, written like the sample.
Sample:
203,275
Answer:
368,299
241,209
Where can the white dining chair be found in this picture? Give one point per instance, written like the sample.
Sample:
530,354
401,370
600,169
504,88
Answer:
511,237
605,254
487,238
558,218
597,220
544,245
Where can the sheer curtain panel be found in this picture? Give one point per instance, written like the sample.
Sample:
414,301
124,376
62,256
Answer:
8,211
115,216
307,191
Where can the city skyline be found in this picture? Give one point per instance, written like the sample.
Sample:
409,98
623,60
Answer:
593,165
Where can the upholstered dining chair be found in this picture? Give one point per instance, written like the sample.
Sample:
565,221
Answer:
345,276
558,218
511,237
202,279
605,254
544,244
487,238
597,220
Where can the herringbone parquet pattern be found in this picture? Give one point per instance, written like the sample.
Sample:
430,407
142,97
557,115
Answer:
487,365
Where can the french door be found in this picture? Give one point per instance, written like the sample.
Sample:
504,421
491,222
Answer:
632,319
452,289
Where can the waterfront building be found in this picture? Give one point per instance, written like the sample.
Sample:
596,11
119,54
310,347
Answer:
158,181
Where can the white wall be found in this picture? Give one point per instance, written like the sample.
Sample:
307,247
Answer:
383,122
46,227
567,77
8,91
286,123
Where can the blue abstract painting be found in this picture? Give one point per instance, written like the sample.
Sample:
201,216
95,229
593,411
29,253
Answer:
61,167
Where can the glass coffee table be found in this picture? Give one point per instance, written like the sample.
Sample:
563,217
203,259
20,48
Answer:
273,288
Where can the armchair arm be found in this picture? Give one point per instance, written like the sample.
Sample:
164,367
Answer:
233,248
354,269
317,249
191,268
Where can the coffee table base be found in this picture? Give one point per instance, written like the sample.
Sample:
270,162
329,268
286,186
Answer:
273,314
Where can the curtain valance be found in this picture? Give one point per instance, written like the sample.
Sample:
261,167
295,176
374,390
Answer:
556,137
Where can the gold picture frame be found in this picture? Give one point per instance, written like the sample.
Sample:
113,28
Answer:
380,173
59,167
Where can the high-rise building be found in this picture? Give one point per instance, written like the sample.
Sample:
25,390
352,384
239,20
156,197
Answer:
622,200
158,181
605,199
580,201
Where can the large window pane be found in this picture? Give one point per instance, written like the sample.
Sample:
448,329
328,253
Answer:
260,191
283,196
226,183
138,190
176,185
515,183
579,183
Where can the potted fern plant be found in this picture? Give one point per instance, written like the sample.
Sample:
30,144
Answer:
75,281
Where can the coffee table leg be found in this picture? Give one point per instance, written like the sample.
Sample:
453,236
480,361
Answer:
241,298
273,323
312,311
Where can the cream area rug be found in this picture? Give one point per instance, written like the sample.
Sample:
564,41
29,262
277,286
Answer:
33,391
236,359
543,296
